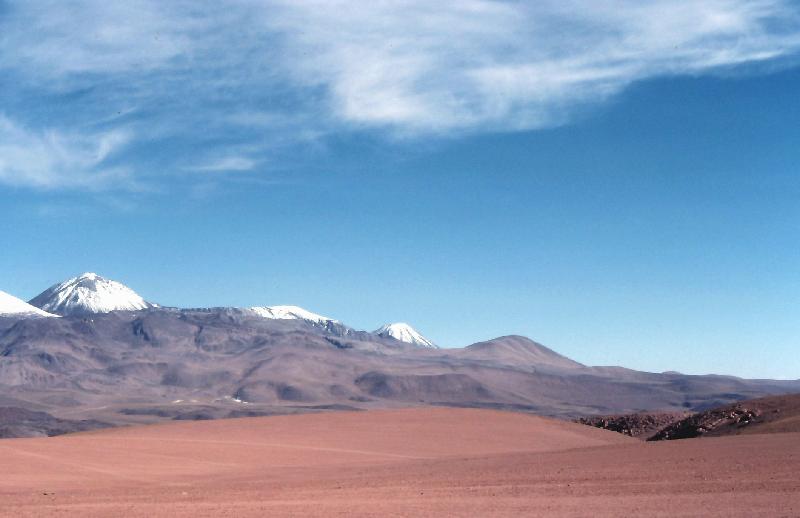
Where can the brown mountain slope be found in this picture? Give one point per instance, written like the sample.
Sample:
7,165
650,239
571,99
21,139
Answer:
159,364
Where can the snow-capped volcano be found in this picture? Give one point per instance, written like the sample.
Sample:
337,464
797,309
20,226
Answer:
12,306
87,294
405,333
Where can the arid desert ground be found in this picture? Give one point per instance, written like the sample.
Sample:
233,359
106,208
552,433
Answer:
409,462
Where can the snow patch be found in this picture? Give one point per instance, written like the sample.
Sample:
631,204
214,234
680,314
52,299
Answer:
290,313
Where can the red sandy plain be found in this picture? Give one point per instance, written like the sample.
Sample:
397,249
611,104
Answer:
412,462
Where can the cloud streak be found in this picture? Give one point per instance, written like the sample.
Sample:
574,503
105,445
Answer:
268,75
52,159
226,164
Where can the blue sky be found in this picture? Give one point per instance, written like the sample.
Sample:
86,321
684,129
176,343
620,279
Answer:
617,180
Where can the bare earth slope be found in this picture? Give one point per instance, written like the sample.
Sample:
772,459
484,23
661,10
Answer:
446,462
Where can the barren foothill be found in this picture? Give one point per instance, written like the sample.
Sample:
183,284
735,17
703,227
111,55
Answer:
421,461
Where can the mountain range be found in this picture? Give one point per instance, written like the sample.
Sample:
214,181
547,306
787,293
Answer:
113,358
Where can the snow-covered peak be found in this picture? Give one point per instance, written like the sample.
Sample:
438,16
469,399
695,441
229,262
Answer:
405,333
290,313
12,306
89,293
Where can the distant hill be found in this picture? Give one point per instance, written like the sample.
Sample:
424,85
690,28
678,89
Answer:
772,414
19,422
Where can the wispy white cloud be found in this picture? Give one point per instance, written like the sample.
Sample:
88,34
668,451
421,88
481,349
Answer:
51,159
478,64
262,75
94,36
